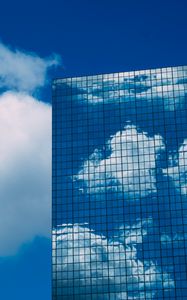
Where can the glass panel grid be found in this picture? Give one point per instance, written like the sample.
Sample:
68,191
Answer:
120,186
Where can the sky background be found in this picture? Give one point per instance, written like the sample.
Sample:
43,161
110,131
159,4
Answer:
73,38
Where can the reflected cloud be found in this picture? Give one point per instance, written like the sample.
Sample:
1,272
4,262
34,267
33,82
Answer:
178,171
128,184
91,263
132,235
166,89
129,169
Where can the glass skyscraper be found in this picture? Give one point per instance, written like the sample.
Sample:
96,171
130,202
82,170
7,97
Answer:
120,186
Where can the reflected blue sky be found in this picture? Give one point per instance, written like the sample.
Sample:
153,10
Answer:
120,160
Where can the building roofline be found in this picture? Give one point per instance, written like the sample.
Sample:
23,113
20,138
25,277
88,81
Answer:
56,79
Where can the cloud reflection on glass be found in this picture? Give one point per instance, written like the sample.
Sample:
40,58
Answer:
119,185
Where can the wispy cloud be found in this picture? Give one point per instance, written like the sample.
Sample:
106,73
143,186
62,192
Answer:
23,71
155,89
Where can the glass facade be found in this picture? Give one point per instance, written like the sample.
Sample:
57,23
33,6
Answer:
120,186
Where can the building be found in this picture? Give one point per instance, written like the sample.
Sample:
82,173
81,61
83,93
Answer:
120,186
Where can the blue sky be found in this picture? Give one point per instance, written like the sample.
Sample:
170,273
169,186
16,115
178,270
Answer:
99,36
90,37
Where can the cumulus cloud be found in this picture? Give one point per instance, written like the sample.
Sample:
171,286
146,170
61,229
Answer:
22,71
91,263
25,168
178,171
25,151
130,168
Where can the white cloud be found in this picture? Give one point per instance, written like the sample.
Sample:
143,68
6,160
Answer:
158,89
25,168
22,71
25,151
169,97
91,263
129,169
